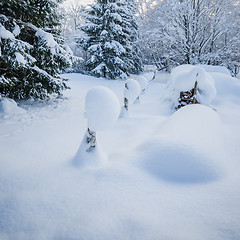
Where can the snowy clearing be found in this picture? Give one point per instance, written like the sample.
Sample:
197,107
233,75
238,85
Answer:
167,175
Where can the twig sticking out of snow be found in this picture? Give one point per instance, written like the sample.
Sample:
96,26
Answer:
91,140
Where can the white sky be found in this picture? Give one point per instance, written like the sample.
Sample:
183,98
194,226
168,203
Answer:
68,3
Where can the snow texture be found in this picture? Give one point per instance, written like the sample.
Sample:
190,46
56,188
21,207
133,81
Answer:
135,194
9,108
219,69
86,158
132,90
143,82
20,59
16,30
102,108
188,149
4,33
184,78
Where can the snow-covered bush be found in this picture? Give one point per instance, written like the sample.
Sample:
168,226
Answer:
132,91
143,82
102,110
187,77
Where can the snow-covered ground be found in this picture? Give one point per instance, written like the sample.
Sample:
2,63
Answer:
170,176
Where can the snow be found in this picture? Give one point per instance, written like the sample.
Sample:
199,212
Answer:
48,37
89,159
16,30
184,78
219,69
228,88
143,82
102,108
20,58
188,149
9,108
4,33
129,192
131,90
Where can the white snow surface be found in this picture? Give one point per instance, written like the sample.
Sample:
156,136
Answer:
132,91
142,80
16,30
89,159
168,175
20,58
102,108
9,108
184,78
4,33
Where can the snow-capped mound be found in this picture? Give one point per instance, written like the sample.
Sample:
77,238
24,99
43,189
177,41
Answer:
85,158
180,70
102,108
184,78
143,82
8,107
228,88
189,149
132,90
216,69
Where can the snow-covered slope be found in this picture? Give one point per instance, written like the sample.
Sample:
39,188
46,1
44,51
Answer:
168,175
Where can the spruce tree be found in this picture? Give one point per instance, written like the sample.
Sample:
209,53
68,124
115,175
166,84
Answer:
31,58
130,27
105,40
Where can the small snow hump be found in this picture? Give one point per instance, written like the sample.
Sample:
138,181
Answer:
189,148
102,108
8,107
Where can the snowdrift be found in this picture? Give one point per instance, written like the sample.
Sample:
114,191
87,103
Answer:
9,107
189,149
228,88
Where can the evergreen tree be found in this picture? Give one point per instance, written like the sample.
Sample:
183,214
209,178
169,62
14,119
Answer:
135,54
105,40
31,58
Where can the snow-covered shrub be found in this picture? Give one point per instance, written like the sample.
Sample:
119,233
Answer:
143,82
185,78
131,93
102,110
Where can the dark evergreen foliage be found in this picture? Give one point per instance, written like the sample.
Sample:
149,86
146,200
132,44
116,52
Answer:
31,59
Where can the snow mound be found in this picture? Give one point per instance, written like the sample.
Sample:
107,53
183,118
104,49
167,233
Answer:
8,107
143,82
132,90
228,88
189,149
217,69
184,78
102,108
89,159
